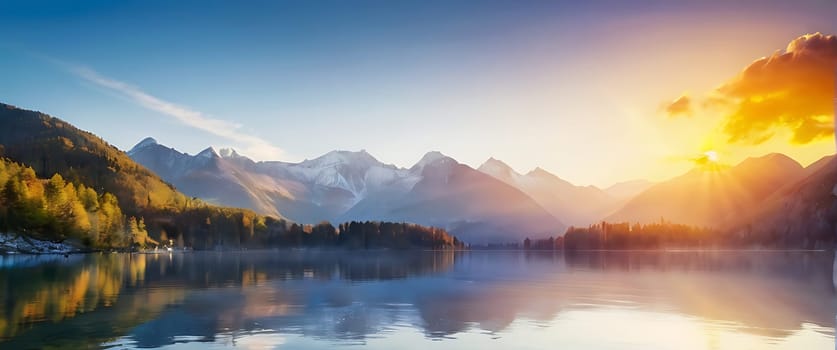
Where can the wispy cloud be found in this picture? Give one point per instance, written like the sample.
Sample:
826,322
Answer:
250,145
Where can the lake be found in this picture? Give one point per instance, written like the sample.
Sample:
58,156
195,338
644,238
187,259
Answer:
297,299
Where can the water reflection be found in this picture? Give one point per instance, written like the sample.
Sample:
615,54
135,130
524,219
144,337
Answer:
315,299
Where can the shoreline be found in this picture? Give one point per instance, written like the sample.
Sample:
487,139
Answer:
19,244
41,248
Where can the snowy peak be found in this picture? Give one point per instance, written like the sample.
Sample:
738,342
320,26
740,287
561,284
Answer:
543,175
431,158
351,176
498,169
229,153
146,142
337,158
209,152
493,163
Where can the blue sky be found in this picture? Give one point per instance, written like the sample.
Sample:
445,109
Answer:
575,89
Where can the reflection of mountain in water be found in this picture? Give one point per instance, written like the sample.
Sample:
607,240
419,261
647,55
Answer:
767,293
83,294
154,300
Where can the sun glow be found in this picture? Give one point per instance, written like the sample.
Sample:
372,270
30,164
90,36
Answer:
711,156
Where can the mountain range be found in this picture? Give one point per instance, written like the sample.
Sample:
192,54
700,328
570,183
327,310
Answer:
343,185
772,197
574,205
493,203
800,213
484,204
712,195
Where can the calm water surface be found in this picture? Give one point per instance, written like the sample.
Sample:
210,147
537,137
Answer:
381,300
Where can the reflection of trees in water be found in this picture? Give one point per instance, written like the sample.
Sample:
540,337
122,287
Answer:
42,294
348,296
296,291
54,291
74,302
781,263
211,269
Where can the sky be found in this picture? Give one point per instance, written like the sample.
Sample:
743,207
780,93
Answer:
581,89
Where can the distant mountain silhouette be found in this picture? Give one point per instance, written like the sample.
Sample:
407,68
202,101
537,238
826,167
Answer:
628,189
573,205
712,195
799,214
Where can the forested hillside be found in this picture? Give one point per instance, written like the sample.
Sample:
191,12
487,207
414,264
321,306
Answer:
60,182
55,209
50,145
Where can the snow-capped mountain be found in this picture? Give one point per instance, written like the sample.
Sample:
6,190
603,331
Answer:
472,205
574,205
168,162
356,173
343,185
215,178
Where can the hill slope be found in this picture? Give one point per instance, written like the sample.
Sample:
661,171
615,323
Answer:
802,214
50,145
712,196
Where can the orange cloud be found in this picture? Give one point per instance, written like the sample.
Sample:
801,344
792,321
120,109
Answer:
681,106
791,89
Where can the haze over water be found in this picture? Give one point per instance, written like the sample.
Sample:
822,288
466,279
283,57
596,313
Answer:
385,300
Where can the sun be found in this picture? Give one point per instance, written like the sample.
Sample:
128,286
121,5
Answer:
711,156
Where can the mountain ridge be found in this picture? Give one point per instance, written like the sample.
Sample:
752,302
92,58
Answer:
336,186
575,205
800,214
712,195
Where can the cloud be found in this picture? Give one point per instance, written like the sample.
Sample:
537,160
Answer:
680,106
791,89
252,145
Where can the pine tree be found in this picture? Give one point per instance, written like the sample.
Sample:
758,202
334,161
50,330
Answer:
134,232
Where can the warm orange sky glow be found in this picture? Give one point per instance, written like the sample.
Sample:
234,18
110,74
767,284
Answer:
790,90
779,103
700,72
